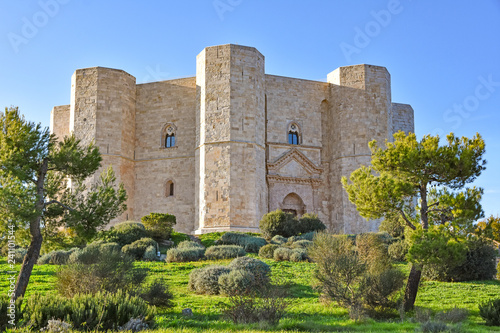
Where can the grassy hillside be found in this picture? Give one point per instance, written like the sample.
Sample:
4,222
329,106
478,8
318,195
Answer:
306,313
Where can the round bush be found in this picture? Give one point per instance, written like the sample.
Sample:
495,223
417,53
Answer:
185,254
309,235
278,239
298,255
150,254
206,280
57,257
302,244
282,254
137,248
189,244
267,251
398,250
309,222
224,252
479,263
249,243
258,268
127,232
159,225
236,282
278,223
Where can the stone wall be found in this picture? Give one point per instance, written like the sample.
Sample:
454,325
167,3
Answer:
231,161
59,121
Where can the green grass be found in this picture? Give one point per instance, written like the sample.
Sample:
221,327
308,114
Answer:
306,313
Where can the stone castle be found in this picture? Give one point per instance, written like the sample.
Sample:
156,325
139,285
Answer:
221,149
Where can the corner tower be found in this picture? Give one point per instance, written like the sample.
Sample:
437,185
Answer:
103,111
231,190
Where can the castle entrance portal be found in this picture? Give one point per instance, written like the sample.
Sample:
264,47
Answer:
293,204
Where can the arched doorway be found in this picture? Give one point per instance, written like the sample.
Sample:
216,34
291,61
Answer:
293,204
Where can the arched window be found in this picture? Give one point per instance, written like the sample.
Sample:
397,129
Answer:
169,189
168,135
293,134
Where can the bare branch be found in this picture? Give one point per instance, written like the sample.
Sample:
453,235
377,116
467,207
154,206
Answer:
60,204
408,223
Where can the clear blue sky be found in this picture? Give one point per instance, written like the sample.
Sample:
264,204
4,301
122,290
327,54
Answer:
443,56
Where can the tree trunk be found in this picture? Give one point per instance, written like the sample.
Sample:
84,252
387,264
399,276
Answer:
36,236
412,288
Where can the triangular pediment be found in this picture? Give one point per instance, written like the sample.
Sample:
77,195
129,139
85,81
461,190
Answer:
294,164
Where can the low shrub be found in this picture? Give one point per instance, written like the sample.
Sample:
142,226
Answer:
189,244
373,252
278,239
309,223
258,268
101,311
126,233
110,270
267,306
298,255
249,243
136,249
185,254
278,223
19,254
150,254
453,316
211,238
267,251
479,264
236,282
224,252
490,311
433,327
159,225
398,250
293,239
308,235
9,313
282,254
156,293
302,244
206,280
57,257
92,252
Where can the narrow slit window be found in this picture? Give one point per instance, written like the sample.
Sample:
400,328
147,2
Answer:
171,189
170,141
169,192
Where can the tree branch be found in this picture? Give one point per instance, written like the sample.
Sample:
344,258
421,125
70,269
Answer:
434,204
408,223
60,204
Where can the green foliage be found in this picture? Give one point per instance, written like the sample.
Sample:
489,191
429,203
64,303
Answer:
490,311
453,316
267,306
237,282
398,250
278,239
58,257
258,268
124,233
19,254
478,264
10,312
298,254
308,236
267,251
137,249
249,243
156,293
185,254
489,228
310,223
435,246
371,249
393,224
178,237
206,280
282,254
224,252
159,225
498,271
301,243
278,223
358,277
106,270
189,245
211,238
101,311
150,254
